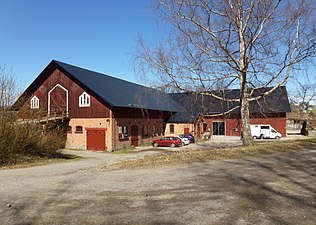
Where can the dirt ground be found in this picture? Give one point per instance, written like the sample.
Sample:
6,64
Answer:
268,189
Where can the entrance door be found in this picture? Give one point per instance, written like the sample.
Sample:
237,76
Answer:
186,130
96,139
134,135
218,128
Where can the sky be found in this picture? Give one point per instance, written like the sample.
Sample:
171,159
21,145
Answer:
99,35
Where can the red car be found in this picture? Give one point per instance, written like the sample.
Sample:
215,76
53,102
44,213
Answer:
168,141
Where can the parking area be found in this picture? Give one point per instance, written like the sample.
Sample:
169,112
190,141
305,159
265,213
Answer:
218,142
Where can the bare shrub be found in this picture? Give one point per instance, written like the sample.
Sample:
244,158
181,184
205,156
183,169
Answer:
24,142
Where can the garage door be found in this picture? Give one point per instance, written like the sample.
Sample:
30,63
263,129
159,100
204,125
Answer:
96,139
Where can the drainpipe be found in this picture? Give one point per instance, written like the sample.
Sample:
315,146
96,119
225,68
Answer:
112,130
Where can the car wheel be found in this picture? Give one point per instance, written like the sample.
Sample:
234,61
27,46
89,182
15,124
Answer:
254,137
172,145
277,137
155,144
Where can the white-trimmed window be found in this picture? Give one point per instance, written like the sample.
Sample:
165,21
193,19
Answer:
84,100
123,132
34,102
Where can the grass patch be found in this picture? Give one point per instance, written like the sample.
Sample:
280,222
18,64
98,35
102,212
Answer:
129,149
214,154
125,150
145,144
39,161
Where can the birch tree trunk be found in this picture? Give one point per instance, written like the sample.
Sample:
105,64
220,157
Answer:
243,67
245,118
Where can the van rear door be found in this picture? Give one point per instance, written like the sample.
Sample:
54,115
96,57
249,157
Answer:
265,131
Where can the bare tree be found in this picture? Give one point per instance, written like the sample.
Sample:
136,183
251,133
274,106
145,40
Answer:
305,94
9,88
249,44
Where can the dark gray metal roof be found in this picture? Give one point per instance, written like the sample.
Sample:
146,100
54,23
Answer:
183,117
276,102
111,90
121,93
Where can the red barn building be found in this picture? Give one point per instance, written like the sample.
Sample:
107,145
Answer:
102,112
201,112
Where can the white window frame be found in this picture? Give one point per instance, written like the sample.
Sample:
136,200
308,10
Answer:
84,100
225,128
123,132
67,101
34,103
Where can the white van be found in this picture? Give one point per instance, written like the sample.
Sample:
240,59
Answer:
264,131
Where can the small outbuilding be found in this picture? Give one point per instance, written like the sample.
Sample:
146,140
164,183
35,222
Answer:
206,115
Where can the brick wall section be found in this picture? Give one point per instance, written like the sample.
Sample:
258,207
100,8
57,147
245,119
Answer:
178,128
158,123
112,142
79,140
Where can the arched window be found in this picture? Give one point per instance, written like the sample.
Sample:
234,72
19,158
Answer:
34,102
84,100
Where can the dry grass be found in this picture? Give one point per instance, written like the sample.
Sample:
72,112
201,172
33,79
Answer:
214,154
39,161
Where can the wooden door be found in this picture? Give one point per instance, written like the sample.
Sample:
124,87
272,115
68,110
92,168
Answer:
134,135
186,130
96,139
58,101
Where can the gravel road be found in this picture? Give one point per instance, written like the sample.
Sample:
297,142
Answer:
268,189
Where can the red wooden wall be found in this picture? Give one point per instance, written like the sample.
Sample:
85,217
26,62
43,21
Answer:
123,112
233,125
96,109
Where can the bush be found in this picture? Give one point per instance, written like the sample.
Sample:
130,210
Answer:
26,141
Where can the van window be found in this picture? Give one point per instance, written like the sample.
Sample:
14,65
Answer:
273,131
265,127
